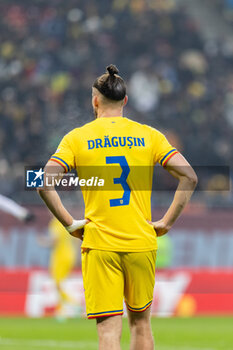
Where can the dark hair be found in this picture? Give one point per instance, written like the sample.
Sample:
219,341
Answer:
111,85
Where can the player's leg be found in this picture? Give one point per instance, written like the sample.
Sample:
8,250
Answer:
60,267
140,329
66,263
139,272
104,287
109,332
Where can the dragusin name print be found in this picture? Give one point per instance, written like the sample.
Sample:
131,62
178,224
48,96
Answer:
116,141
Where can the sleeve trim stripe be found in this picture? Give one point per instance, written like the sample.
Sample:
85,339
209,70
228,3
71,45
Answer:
57,161
173,150
170,158
61,160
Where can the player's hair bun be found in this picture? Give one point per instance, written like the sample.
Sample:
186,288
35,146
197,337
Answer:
110,84
112,70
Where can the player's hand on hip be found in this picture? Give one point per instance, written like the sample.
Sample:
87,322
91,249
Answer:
77,228
160,227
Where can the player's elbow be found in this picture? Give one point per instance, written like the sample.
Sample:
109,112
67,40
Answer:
192,178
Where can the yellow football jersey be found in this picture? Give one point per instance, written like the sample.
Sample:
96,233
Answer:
123,153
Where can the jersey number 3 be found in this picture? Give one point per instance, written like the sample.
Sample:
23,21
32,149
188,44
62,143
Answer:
121,160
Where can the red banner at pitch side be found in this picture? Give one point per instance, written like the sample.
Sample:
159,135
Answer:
185,292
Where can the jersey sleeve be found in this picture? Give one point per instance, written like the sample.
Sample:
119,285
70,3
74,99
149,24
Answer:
163,151
64,154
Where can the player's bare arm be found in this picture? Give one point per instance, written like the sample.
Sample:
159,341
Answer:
179,168
54,203
9,206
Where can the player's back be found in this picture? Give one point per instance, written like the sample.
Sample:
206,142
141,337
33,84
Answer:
123,153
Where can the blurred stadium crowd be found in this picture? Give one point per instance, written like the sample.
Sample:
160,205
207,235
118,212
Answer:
51,52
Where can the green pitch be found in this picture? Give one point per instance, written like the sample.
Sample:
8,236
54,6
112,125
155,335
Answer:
170,334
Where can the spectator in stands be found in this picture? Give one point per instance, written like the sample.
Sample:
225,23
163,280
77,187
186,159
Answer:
46,52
